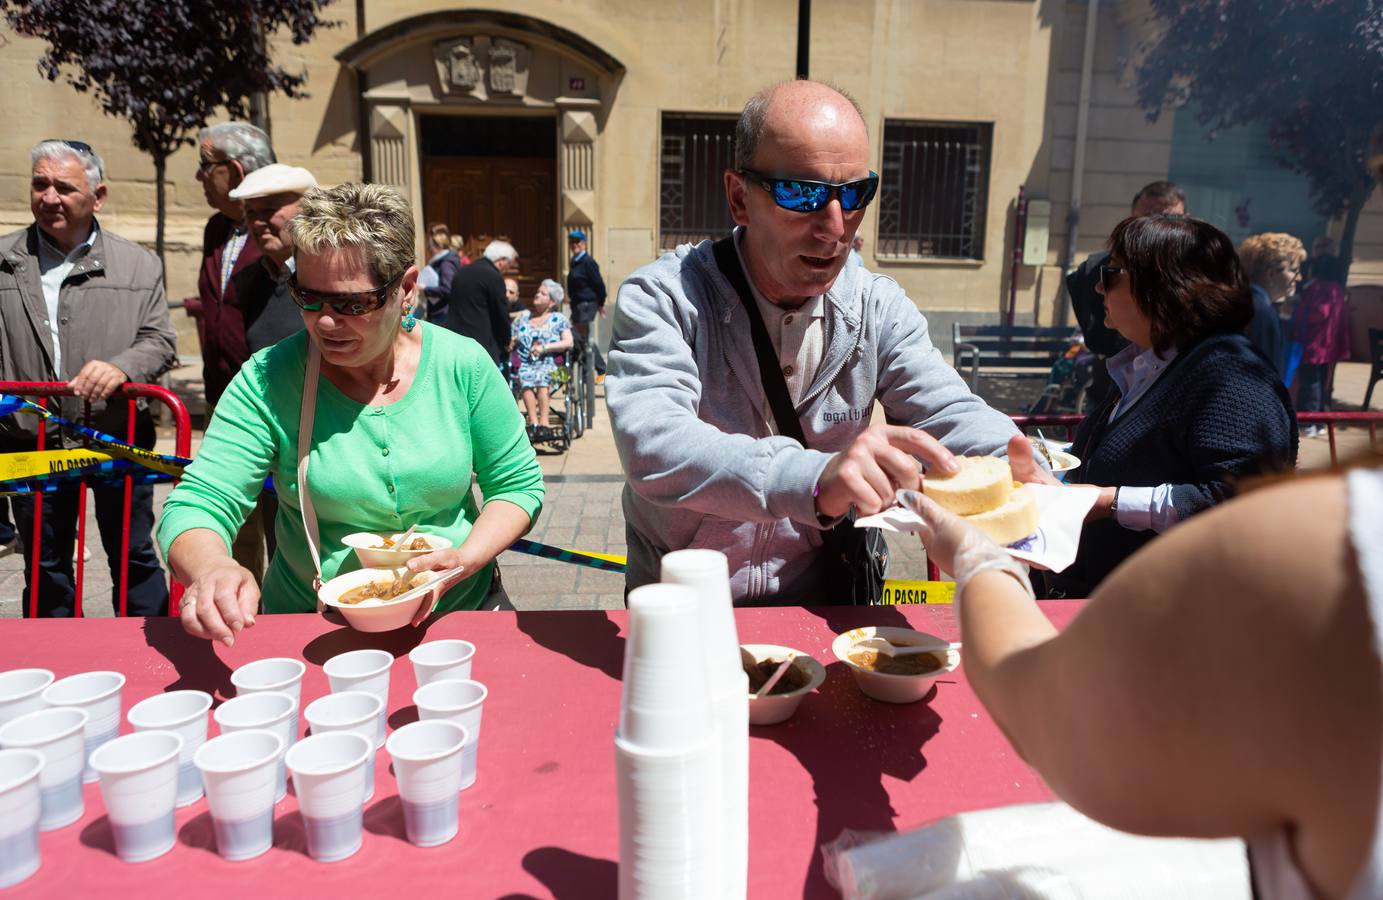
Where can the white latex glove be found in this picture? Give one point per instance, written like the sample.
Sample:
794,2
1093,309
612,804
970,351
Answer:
958,547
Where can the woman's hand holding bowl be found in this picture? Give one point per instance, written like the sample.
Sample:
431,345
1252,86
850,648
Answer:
438,561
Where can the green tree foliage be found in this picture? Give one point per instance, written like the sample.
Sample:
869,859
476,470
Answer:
1310,70
166,66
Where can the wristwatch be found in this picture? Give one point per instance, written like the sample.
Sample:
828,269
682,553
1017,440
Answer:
1114,504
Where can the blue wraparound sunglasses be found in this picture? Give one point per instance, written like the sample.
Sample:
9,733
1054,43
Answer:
798,195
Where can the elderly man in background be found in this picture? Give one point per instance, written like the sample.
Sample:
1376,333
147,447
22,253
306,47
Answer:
586,289
227,153
711,463
1088,304
85,306
477,306
270,198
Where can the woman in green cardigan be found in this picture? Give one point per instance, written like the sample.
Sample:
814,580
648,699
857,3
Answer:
406,418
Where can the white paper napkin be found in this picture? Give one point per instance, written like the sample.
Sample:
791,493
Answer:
1061,512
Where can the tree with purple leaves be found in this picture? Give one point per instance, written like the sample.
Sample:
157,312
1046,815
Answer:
167,66
1310,70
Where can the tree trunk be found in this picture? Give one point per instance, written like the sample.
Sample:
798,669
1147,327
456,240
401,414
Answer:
1356,206
160,203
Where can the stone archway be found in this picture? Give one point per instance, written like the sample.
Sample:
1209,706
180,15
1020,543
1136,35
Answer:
483,63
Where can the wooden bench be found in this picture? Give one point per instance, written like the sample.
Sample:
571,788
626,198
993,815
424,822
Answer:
1007,351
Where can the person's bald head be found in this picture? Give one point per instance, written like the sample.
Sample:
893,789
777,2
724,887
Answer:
797,113
809,133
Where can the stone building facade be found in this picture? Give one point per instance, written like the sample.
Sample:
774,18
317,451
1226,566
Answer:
613,116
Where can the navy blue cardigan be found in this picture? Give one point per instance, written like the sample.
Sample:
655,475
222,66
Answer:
1217,413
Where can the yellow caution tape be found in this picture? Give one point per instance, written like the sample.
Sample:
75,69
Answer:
897,591
38,463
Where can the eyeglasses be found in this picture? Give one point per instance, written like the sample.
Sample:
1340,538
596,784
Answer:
1107,276
204,164
81,147
351,303
801,196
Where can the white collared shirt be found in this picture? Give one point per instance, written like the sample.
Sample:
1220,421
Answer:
1133,371
54,266
798,335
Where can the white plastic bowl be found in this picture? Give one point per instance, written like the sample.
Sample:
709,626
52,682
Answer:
775,708
893,688
373,616
365,544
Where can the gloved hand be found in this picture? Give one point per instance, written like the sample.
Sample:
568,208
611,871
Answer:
959,547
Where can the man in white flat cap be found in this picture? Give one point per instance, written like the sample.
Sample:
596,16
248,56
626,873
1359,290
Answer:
270,197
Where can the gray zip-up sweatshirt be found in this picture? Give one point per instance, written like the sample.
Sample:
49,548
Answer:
696,436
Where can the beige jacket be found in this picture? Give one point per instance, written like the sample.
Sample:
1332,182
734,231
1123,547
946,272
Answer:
111,307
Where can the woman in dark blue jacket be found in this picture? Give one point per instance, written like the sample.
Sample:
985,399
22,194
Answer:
1197,408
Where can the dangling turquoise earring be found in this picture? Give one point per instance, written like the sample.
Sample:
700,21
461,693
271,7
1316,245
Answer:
409,321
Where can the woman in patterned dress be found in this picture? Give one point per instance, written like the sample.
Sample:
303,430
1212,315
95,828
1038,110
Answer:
539,334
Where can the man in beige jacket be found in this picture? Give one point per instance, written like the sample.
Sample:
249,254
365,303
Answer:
82,305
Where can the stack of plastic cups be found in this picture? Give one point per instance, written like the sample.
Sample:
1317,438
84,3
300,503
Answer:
666,755
708,574
21,691
427,763
58,736
139,782
363,670
354,711
98,693
462,702
279,675
265,711
329,778
185,714
240,774
19,815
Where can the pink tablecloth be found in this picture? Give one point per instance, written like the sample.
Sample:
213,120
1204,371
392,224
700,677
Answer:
541,821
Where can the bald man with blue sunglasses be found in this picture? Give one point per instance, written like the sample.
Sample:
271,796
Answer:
719,457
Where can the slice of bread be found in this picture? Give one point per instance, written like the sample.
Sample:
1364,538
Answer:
1012,521
983,483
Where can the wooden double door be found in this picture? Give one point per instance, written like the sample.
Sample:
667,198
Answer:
489,197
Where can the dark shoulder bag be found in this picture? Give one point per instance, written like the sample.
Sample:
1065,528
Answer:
859,556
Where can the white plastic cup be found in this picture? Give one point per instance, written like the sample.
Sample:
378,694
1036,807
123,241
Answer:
329,776
185,714
666,702
354,711
708,574
58,735
427,763
139,782
266,711
279,675
240,772
363,670
21,691
20,806
461,702
438,660
99,694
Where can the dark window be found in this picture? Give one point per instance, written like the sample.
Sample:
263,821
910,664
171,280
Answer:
934,190
691,200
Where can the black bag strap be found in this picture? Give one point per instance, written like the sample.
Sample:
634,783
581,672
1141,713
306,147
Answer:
770,370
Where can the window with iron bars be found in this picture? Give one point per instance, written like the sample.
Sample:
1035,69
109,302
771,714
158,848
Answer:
934,190
696,151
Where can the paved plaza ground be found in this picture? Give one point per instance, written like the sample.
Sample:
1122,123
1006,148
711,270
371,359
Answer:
582,511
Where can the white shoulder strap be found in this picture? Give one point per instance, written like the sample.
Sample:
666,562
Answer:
305,421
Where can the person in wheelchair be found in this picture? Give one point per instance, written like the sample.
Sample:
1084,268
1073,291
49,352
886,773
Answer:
540,335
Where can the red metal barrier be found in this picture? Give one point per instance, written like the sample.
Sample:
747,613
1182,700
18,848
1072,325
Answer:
40,391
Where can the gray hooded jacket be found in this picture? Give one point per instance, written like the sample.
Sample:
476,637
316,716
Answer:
696,436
